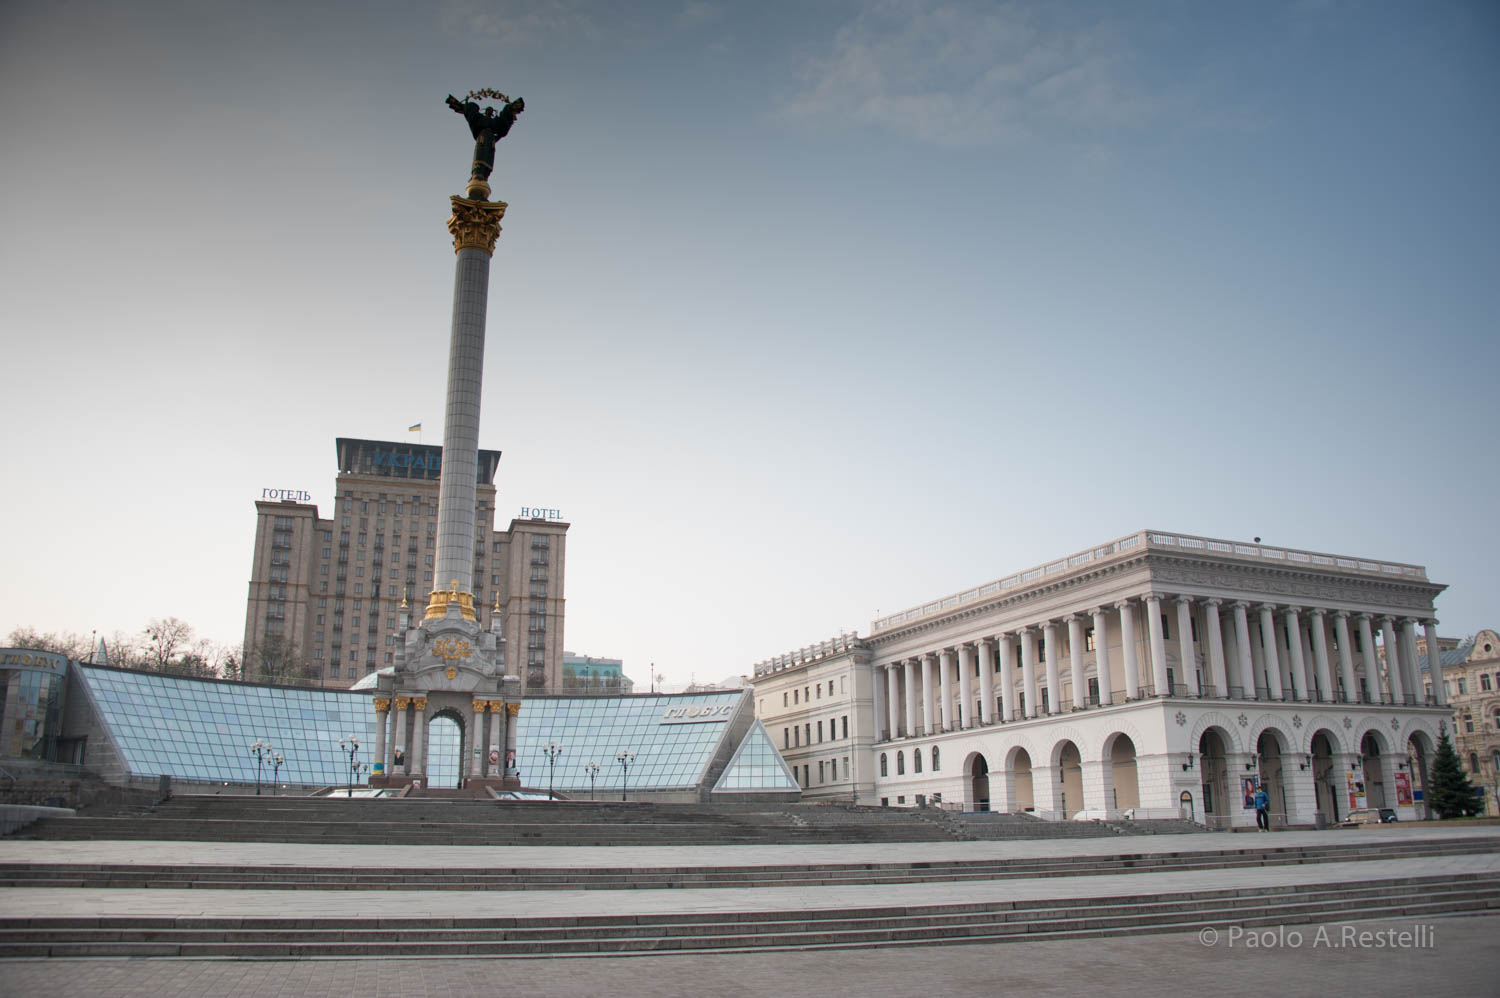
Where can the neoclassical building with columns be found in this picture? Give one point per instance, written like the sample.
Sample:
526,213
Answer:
1156,674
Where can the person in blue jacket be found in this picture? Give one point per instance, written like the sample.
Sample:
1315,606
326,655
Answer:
1262,810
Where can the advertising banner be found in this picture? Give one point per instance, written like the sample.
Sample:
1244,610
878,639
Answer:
1403,789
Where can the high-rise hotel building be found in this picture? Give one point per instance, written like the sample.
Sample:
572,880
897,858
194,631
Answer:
329,591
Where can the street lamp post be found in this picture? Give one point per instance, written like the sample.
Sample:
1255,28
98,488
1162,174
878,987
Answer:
261,750
624,759
593,770
351,745
279,761
552,751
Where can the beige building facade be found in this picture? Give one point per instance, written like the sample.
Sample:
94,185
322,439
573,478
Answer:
1156,674
1471,677
327,592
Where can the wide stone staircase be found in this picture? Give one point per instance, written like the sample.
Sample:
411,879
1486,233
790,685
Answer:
720,932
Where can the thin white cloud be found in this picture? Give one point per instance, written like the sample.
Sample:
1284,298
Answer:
962,74
523,22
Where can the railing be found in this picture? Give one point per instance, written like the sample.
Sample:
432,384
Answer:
810,653
1148,539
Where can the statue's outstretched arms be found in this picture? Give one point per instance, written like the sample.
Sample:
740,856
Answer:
454,103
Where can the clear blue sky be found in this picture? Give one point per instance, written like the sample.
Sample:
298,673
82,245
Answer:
802,312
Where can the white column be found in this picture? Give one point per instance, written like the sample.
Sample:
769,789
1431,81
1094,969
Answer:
1158,645
1075,659
393,719
1246,661
893,699
1101,654
1054,681
1434,662
910,676
419,736
945,688
1218,672
380,728
965,686
1007,678
1346,656
877,696
928,692
1318,623
1268,649
1294,651
1408,641
476,741
986,682
1127,649
1367,655
1185,653
1028,669
1392,661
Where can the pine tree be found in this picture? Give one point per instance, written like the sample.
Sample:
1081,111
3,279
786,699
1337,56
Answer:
1449,792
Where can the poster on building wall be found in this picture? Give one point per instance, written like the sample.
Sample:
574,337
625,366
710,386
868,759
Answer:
1403,790
1356,792
1248,786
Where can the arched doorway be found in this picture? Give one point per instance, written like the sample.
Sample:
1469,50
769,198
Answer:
1419,755
1070,779
979,784
1328,785
1269,746
1023,798
1213,759
1373,767
444,745
1124,790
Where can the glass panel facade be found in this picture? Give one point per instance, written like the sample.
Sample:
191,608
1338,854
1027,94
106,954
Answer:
669,752
757,766
31,694
442,752
195,729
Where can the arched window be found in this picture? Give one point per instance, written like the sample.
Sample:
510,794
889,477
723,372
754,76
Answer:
934,759
1495,762
1473,762
882,765
1497,717
900,764
916,760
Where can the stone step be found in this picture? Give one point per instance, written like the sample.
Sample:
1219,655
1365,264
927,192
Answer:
623,935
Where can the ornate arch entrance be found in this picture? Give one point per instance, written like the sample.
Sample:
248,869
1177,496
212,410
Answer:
1021,797
445,739
1328,784
979,783
1213,754
1271,747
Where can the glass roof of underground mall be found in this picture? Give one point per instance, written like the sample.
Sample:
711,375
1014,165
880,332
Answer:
201,730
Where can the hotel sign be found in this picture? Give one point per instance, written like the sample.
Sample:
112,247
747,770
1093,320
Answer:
539,513
697,715
286,495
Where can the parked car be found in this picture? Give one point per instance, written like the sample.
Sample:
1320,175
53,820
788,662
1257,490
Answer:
1370,816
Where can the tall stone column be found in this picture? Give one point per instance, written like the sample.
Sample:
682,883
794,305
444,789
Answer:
1435,662
1054,681
986,682
1128,650
419,736
1218,673
1346,656
382,710
500,735
893,699
1185,653
877,699
1392,660
1294,651
1075,659
474,225
1101,654
1367,658
476,741
965,686
512,712
1007,678
928,662
393,721
1158,646
1268,649
1246,661
911,697
403,706
945,689
1408,641
1318,623
1028,669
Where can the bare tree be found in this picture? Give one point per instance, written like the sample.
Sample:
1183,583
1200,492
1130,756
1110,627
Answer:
75,646
275,661
166,642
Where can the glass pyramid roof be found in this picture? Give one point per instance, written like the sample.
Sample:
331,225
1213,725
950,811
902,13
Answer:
757,767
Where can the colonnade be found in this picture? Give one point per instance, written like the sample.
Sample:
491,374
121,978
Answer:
1227,649
410,714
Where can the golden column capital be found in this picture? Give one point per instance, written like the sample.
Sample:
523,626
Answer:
497,706
382,704
403,702
475,224
419,703
479,706
513,709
